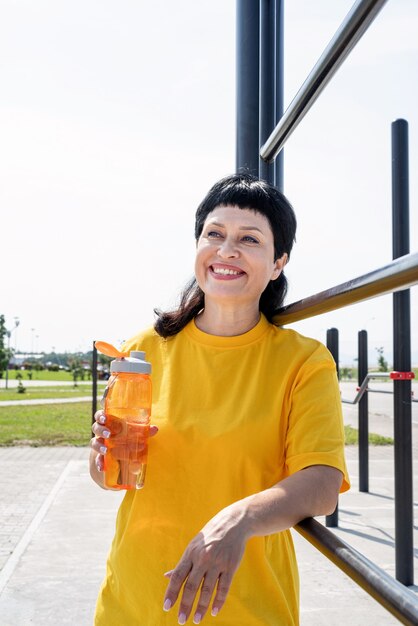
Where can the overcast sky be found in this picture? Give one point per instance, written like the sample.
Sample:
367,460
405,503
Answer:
116,118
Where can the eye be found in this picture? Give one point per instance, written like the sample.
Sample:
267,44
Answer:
213,234
249,239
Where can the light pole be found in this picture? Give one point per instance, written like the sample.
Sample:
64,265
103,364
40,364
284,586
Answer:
9,334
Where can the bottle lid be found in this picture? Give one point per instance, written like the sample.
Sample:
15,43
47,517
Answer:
134,363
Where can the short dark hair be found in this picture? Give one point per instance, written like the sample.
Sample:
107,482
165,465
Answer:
246,192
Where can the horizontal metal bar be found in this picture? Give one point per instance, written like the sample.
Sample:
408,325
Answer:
350,32
391,594
362,390
400,274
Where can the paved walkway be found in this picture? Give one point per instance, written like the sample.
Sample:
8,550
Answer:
56,526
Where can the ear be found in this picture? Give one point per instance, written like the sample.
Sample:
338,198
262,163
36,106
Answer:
279,265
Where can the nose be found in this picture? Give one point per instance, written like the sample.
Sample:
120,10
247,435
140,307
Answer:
227,249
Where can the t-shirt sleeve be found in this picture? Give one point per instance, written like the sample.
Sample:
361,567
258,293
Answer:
315,434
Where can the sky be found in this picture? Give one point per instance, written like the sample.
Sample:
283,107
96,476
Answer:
116,119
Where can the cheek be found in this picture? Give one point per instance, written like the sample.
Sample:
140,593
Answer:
199,263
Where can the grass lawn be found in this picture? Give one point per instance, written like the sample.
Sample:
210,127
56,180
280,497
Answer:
46,425
36,393
70,425
351,438
42,375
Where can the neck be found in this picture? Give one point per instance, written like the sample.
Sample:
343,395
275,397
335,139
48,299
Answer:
225,322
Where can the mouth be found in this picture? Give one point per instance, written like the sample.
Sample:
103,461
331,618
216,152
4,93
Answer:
225,272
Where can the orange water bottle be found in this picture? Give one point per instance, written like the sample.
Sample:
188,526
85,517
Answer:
127,407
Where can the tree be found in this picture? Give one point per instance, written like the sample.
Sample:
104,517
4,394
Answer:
4,352
76,369
381,361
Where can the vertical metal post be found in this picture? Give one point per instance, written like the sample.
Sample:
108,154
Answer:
267,81
402,361
247,76
279,86
94,379
332,345
363,415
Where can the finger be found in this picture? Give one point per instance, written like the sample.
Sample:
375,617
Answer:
153,430
98,445
224,583
190,590
206,592
177,578
100,417
100,462
101,431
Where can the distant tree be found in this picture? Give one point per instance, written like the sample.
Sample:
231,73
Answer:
76,369
381,361
20,387
346,373
4,352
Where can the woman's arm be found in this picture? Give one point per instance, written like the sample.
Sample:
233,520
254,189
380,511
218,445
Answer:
212,557
312,491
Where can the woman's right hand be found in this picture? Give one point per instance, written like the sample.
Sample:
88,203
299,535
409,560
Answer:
99,445
101,435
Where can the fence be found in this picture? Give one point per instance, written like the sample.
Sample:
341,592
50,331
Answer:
261,121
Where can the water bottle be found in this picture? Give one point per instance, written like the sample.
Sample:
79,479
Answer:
127,407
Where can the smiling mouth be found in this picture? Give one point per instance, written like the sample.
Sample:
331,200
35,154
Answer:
226,272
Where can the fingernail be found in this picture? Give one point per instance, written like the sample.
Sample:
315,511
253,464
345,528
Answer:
214,612
102,419
103,449
99,467
168,574
167,605
197,618
106,434
182,618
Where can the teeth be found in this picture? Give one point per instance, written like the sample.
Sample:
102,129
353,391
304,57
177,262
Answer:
223,270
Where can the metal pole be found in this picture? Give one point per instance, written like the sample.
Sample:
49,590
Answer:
247,76
94,379
267,81
279,86
363,415
401,602
402,361
332,345
351,30
399,274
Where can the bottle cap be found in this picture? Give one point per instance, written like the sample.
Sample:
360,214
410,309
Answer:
134,363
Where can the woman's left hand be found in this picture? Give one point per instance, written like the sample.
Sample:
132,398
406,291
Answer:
208,564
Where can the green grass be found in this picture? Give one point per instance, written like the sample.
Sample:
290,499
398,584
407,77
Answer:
46,425
37,393
351,438
42,375
70,425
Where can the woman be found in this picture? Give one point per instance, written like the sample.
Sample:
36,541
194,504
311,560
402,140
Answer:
250,436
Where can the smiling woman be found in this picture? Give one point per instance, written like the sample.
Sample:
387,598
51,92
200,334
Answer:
247,434
270,216
233,268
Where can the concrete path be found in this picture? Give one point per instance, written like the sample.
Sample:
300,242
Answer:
56,527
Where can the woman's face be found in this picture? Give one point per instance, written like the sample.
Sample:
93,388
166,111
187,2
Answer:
235,256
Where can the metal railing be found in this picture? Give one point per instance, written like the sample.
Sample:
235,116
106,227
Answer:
350,32
398,276
391,594
364,388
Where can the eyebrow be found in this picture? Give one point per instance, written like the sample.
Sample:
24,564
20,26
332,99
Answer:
240,228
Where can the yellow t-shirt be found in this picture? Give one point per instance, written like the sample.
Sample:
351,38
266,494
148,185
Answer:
236,415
